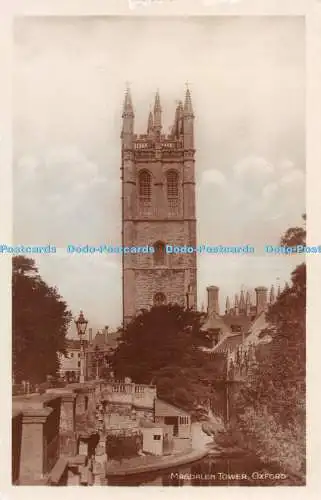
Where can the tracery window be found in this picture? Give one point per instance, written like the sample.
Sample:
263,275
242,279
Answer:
172,184
145,185
172,192
145,192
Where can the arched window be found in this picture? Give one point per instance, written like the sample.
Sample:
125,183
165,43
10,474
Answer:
159,299
159,253
145,192
172,184
145,185
172,191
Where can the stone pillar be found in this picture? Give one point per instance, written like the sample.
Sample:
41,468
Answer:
16,445
34,453
68,436
212,301
261,299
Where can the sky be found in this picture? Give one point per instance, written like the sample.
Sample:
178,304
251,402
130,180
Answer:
247,80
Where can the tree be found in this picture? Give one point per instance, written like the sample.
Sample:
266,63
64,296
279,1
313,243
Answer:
161,346
270,410
40,320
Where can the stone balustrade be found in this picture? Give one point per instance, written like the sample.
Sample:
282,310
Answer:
137,395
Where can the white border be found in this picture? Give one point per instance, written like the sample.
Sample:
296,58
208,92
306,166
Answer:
312,10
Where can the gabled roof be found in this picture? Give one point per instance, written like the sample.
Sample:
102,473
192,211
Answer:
229,343
164,409
240,320
259,324
214,322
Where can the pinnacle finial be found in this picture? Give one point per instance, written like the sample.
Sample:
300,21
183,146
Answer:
128,105
188,108
150,123
157,114
227,305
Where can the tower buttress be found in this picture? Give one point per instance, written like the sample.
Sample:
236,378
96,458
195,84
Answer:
128,176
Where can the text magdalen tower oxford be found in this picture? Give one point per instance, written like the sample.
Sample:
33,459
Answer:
158,209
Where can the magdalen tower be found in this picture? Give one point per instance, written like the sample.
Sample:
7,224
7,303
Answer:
158,208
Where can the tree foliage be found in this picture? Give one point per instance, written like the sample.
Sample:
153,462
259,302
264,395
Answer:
271,406
161,347
40,320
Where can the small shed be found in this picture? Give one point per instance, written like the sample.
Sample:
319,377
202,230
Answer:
173,416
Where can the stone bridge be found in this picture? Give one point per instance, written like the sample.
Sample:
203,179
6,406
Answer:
58,437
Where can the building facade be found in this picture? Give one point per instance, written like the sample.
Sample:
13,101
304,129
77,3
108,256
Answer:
158,209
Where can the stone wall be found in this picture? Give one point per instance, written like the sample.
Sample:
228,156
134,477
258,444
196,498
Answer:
16,445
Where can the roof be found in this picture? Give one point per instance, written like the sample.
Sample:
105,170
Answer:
214,322
148,424
71,344
105,341
229,343
260,323
164,409
238,320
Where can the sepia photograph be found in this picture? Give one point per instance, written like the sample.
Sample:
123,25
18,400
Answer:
158,255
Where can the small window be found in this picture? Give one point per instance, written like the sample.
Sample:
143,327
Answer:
157,437
78,364
159,253
71,354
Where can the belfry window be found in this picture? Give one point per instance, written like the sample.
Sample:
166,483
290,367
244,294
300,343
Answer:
172,184
145,192
159,253
145,185
172,192
159,299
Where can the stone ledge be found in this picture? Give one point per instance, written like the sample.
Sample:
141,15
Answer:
20,403
36,415
77,460
58,475
164,462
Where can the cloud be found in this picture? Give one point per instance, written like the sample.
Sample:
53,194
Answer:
270,190
295,176
286,164
213,177
253,166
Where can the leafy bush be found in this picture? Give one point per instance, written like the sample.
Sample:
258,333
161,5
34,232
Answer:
120,446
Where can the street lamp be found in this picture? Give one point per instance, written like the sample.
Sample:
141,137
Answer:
81,324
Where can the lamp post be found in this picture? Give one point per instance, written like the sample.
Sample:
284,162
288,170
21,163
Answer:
81,324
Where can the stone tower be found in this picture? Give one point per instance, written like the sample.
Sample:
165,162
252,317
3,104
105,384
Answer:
158,209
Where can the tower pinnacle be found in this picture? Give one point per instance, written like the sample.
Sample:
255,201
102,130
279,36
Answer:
128,105
188,108
150,124
157,114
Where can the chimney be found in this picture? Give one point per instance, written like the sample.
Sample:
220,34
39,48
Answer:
90,335
212,300
261,299
106,334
